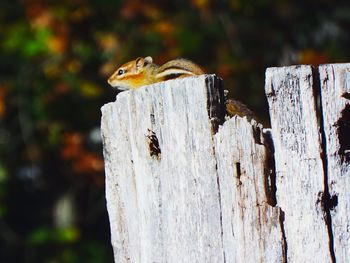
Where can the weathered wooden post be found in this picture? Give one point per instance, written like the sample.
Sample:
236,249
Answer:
312,158
299,165
184,185
335,101
161,183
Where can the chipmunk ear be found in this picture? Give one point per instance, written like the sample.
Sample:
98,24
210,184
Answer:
148,60
140,62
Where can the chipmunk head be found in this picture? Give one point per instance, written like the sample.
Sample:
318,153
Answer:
131,75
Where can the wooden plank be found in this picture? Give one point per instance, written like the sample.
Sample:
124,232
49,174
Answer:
335,98
161,180
252,227
299,167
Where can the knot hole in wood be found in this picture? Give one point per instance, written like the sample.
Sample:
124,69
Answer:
343,131
153,145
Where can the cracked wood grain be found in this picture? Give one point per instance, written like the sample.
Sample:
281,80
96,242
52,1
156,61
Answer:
161,180
335,87
300,177
184,186
168,182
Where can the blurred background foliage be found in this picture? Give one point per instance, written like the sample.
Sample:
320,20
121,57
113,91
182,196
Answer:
55,59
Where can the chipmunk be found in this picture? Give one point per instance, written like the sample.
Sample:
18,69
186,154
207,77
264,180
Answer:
142,71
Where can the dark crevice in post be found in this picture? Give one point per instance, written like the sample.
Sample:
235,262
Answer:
343,131
257,133
216,112
326,203
326,199
220,205
284,239
215,101
238,171
270,169
346,95
153,145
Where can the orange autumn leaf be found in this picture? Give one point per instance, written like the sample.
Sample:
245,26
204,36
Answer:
57,44
82,160
87,163
164,28
38,15
72,146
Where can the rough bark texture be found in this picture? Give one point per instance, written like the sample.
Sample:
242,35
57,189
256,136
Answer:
335,94
182,185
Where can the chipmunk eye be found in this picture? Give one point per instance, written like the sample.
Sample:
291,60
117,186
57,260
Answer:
121,72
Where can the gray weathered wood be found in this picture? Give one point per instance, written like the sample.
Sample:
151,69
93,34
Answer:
181,188
174,203
299,168
335,94
163,207
252,230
